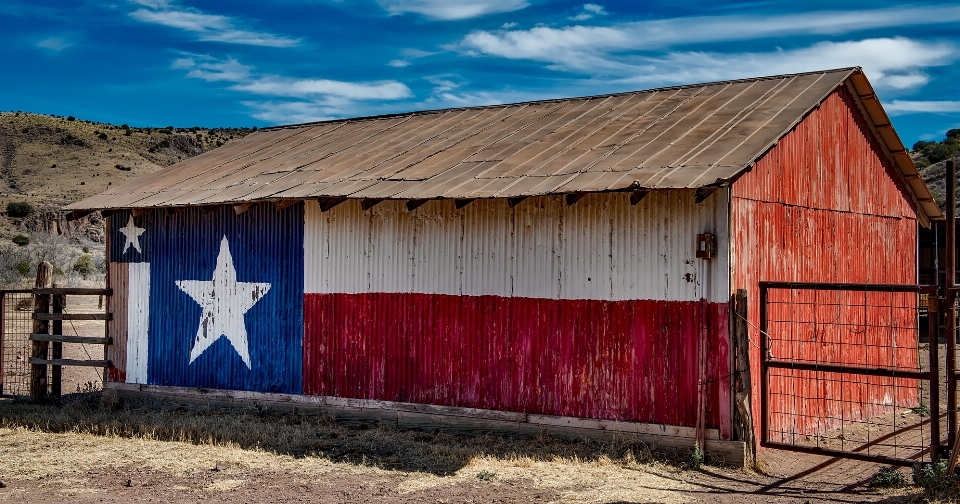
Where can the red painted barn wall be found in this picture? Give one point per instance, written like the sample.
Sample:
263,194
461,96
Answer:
825,205
620,360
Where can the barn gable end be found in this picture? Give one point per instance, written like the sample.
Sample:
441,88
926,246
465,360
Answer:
824,205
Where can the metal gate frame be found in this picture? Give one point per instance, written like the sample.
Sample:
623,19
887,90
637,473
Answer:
767,362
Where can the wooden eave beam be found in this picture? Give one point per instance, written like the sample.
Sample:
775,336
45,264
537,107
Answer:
78,214
415,204
243,207
460,203
281,204
207,209
173,210
638,195
704,193
515,201
107,213
368,203
575,197
137,212
327,204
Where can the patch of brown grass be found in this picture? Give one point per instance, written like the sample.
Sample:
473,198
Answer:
61,442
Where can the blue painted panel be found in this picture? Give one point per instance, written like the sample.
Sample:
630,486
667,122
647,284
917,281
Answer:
128,243
198,317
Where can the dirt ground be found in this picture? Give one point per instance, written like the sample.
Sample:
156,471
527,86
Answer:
96,453
99,454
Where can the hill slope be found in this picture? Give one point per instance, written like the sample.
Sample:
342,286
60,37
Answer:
48,162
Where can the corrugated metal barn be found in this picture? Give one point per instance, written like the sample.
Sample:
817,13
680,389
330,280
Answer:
564,263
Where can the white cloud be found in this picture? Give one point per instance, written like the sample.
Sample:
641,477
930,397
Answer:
589,11
292,112
207,27
895,63
54,44
901,107
399,63
303,88
542,42
301,100
211,69
451,9
507,26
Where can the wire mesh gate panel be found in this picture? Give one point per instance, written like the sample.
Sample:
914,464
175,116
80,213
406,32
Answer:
16,324
844,372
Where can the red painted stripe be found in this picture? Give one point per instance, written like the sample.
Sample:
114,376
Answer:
622,360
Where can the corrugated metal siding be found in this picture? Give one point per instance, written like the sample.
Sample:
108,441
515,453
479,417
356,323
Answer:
680,137
624,360
117,305
600,248
823,205
590,310
266,246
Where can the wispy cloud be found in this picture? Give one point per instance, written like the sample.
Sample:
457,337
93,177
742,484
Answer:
451,9
211,69
895,63
305,88
290,99
206,27
399,63
54,44
542,42
901,107
589,11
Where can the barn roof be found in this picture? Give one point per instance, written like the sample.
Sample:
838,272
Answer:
677,137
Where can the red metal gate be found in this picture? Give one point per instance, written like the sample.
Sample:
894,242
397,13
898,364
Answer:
845,371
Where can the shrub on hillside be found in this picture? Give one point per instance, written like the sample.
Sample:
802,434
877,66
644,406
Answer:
23,268
84,265
19,209
21,240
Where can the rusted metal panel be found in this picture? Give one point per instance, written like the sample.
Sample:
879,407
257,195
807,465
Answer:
825,204
682,137
622,360
591,310
117,305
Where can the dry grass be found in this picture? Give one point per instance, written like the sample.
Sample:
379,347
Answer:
41,442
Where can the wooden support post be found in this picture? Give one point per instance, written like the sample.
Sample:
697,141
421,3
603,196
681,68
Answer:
39,349
743,416
704,193
3,328
56,376
281,204
368,203
243,207
415,204
327,204
638,195
575,197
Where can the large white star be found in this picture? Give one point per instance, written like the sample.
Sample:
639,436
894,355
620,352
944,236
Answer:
131,234
224,301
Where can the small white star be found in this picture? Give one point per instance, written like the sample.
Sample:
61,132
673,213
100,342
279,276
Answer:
132,234
224,301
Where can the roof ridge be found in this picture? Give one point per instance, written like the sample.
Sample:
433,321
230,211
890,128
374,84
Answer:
550,100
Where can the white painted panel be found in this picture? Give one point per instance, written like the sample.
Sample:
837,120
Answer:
599,248
138,317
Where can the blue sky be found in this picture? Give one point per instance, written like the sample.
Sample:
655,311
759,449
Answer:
246,63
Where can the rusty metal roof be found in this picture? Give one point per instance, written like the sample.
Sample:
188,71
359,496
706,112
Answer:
677,137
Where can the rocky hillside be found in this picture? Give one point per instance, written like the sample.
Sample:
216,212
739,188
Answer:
47,162
931,159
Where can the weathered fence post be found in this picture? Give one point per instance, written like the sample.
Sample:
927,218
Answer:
56,375
38,349
743,425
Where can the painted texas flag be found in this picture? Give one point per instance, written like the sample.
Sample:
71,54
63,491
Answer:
219,296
